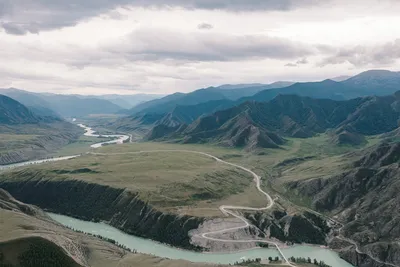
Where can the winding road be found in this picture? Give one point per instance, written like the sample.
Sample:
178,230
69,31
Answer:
225,209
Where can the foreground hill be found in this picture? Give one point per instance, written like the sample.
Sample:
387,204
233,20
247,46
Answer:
28,237
25,135
255,124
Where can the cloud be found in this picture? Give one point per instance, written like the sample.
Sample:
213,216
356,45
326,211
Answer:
302,61
16,29
160,44
291,65
52,14
205,26
360,55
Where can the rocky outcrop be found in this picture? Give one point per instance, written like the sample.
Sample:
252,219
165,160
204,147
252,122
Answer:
118,207
300,228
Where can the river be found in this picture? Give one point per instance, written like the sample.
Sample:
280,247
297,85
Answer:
148,246
119,139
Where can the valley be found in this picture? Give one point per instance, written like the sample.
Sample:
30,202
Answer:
213,181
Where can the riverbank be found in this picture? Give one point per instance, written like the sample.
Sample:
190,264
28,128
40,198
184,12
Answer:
154,248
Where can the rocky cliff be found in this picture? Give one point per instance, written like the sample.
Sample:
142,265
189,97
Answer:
118,207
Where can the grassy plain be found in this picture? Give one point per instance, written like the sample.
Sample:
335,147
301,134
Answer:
193,184
82,145
174,181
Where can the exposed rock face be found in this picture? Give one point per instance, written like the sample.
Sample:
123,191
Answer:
366,200
120,208
300,228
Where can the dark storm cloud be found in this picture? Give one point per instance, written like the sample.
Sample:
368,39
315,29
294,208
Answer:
205,26
364,55
51,14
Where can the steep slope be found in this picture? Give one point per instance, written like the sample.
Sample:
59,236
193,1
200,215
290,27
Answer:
188,114
365,199
155,103
13,112
289,115
32,101
375,82
25,136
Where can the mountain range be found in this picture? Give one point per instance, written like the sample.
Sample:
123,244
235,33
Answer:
185,108
266,124
55,105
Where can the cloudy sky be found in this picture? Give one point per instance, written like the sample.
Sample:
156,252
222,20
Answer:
164,46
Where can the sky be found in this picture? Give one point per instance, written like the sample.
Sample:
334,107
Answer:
166,46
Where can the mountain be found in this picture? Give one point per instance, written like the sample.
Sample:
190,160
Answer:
32,101
223,92
326,89
168,103
286,115
154,103
13,112
340,78
374,82
26,135
53,105
73,106
235,92
365,198
188,114
125,101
